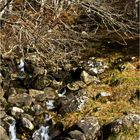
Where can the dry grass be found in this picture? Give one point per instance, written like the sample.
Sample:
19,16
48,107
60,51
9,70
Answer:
109,109
51,31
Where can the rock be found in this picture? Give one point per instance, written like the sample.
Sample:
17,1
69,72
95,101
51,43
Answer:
2,113
118,64
3,134
37,109
56,84
29,117
34,93
3,103
74,101
50,93
18,76
15,111
10,124
27,123
88,78
1,92
20,99
53,105
8,119
103,94
118,125
41,82
95,66
47,93
76,85
73,86
90,127
18,90
56,130
76,135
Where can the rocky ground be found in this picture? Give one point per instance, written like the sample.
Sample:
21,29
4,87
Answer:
69,70
95,98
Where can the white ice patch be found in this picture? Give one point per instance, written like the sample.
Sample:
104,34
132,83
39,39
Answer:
42,133
21,65
12,131
50,104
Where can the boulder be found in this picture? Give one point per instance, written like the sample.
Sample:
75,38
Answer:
87,128
117,126
88,79
3,134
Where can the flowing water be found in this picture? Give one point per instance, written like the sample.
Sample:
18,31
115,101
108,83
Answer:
42,133
12,130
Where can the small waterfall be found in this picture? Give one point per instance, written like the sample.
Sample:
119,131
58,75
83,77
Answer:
50,104
42,133
12,130
21,65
